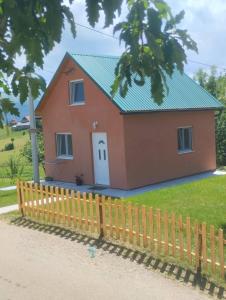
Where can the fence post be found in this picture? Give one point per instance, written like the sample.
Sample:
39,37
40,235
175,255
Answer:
101,218
20,200
199,259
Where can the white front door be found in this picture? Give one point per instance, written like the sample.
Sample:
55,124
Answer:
100,158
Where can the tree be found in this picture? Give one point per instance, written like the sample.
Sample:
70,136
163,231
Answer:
221,139
7,106
154,45
216,85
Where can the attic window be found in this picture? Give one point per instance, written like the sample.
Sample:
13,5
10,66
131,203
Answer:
77,96
184,136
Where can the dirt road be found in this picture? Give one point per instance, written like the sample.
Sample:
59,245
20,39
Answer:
35,265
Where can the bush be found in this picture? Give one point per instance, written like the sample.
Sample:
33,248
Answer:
14,167
27,153
8,147
221,139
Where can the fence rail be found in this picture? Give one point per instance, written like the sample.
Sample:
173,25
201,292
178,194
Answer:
162,233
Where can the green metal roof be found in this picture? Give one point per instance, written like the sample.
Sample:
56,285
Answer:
184,93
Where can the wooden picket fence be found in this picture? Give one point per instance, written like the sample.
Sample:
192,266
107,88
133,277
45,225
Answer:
162,233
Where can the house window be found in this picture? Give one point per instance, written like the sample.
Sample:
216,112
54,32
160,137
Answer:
77,95
184,136
64,145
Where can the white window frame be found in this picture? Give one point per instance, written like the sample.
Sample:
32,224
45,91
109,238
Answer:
74,103
185,150
67,157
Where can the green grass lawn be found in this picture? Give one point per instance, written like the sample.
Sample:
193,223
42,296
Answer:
203,200
7,198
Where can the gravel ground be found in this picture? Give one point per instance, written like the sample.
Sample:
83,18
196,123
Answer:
35,265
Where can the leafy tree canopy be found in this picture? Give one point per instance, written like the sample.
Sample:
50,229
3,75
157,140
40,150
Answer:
154,45
215,84
7,106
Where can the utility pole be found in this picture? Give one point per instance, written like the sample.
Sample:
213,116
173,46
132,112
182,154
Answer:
33,132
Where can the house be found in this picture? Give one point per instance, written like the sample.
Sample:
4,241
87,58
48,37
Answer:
25,119
13,122
124,143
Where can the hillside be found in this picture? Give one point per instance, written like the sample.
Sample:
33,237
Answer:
20,139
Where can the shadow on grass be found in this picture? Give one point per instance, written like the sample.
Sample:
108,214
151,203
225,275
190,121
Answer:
172,270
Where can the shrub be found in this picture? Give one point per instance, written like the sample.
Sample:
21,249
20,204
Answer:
14,167
27,152
221,139
8,147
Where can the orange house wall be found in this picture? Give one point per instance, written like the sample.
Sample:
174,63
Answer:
151,146
59,117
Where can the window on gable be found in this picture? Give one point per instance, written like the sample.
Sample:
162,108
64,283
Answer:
184,136
64,145
77,95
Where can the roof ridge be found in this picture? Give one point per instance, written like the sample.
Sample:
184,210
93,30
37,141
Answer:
96,55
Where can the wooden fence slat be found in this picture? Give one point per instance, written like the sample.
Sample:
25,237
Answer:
196,236
42,202
52,202
110,215
32,200
212,248
204,253
68,208
158,223
130,222
151,227
85,211
166,233
62,203
97,203
173,234
117,219
79,209
91,212
188,236
46,207
144,225
103,203
181,242
27,199
137,224
36,203
221,251
123,221
57,206
73,207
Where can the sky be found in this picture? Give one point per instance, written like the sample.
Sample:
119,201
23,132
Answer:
204,19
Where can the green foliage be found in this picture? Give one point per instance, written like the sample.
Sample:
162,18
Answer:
27,151
8,147
216,85
14,167
221,139
7,107
154,46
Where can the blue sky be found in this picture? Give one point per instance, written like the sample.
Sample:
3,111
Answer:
204,19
